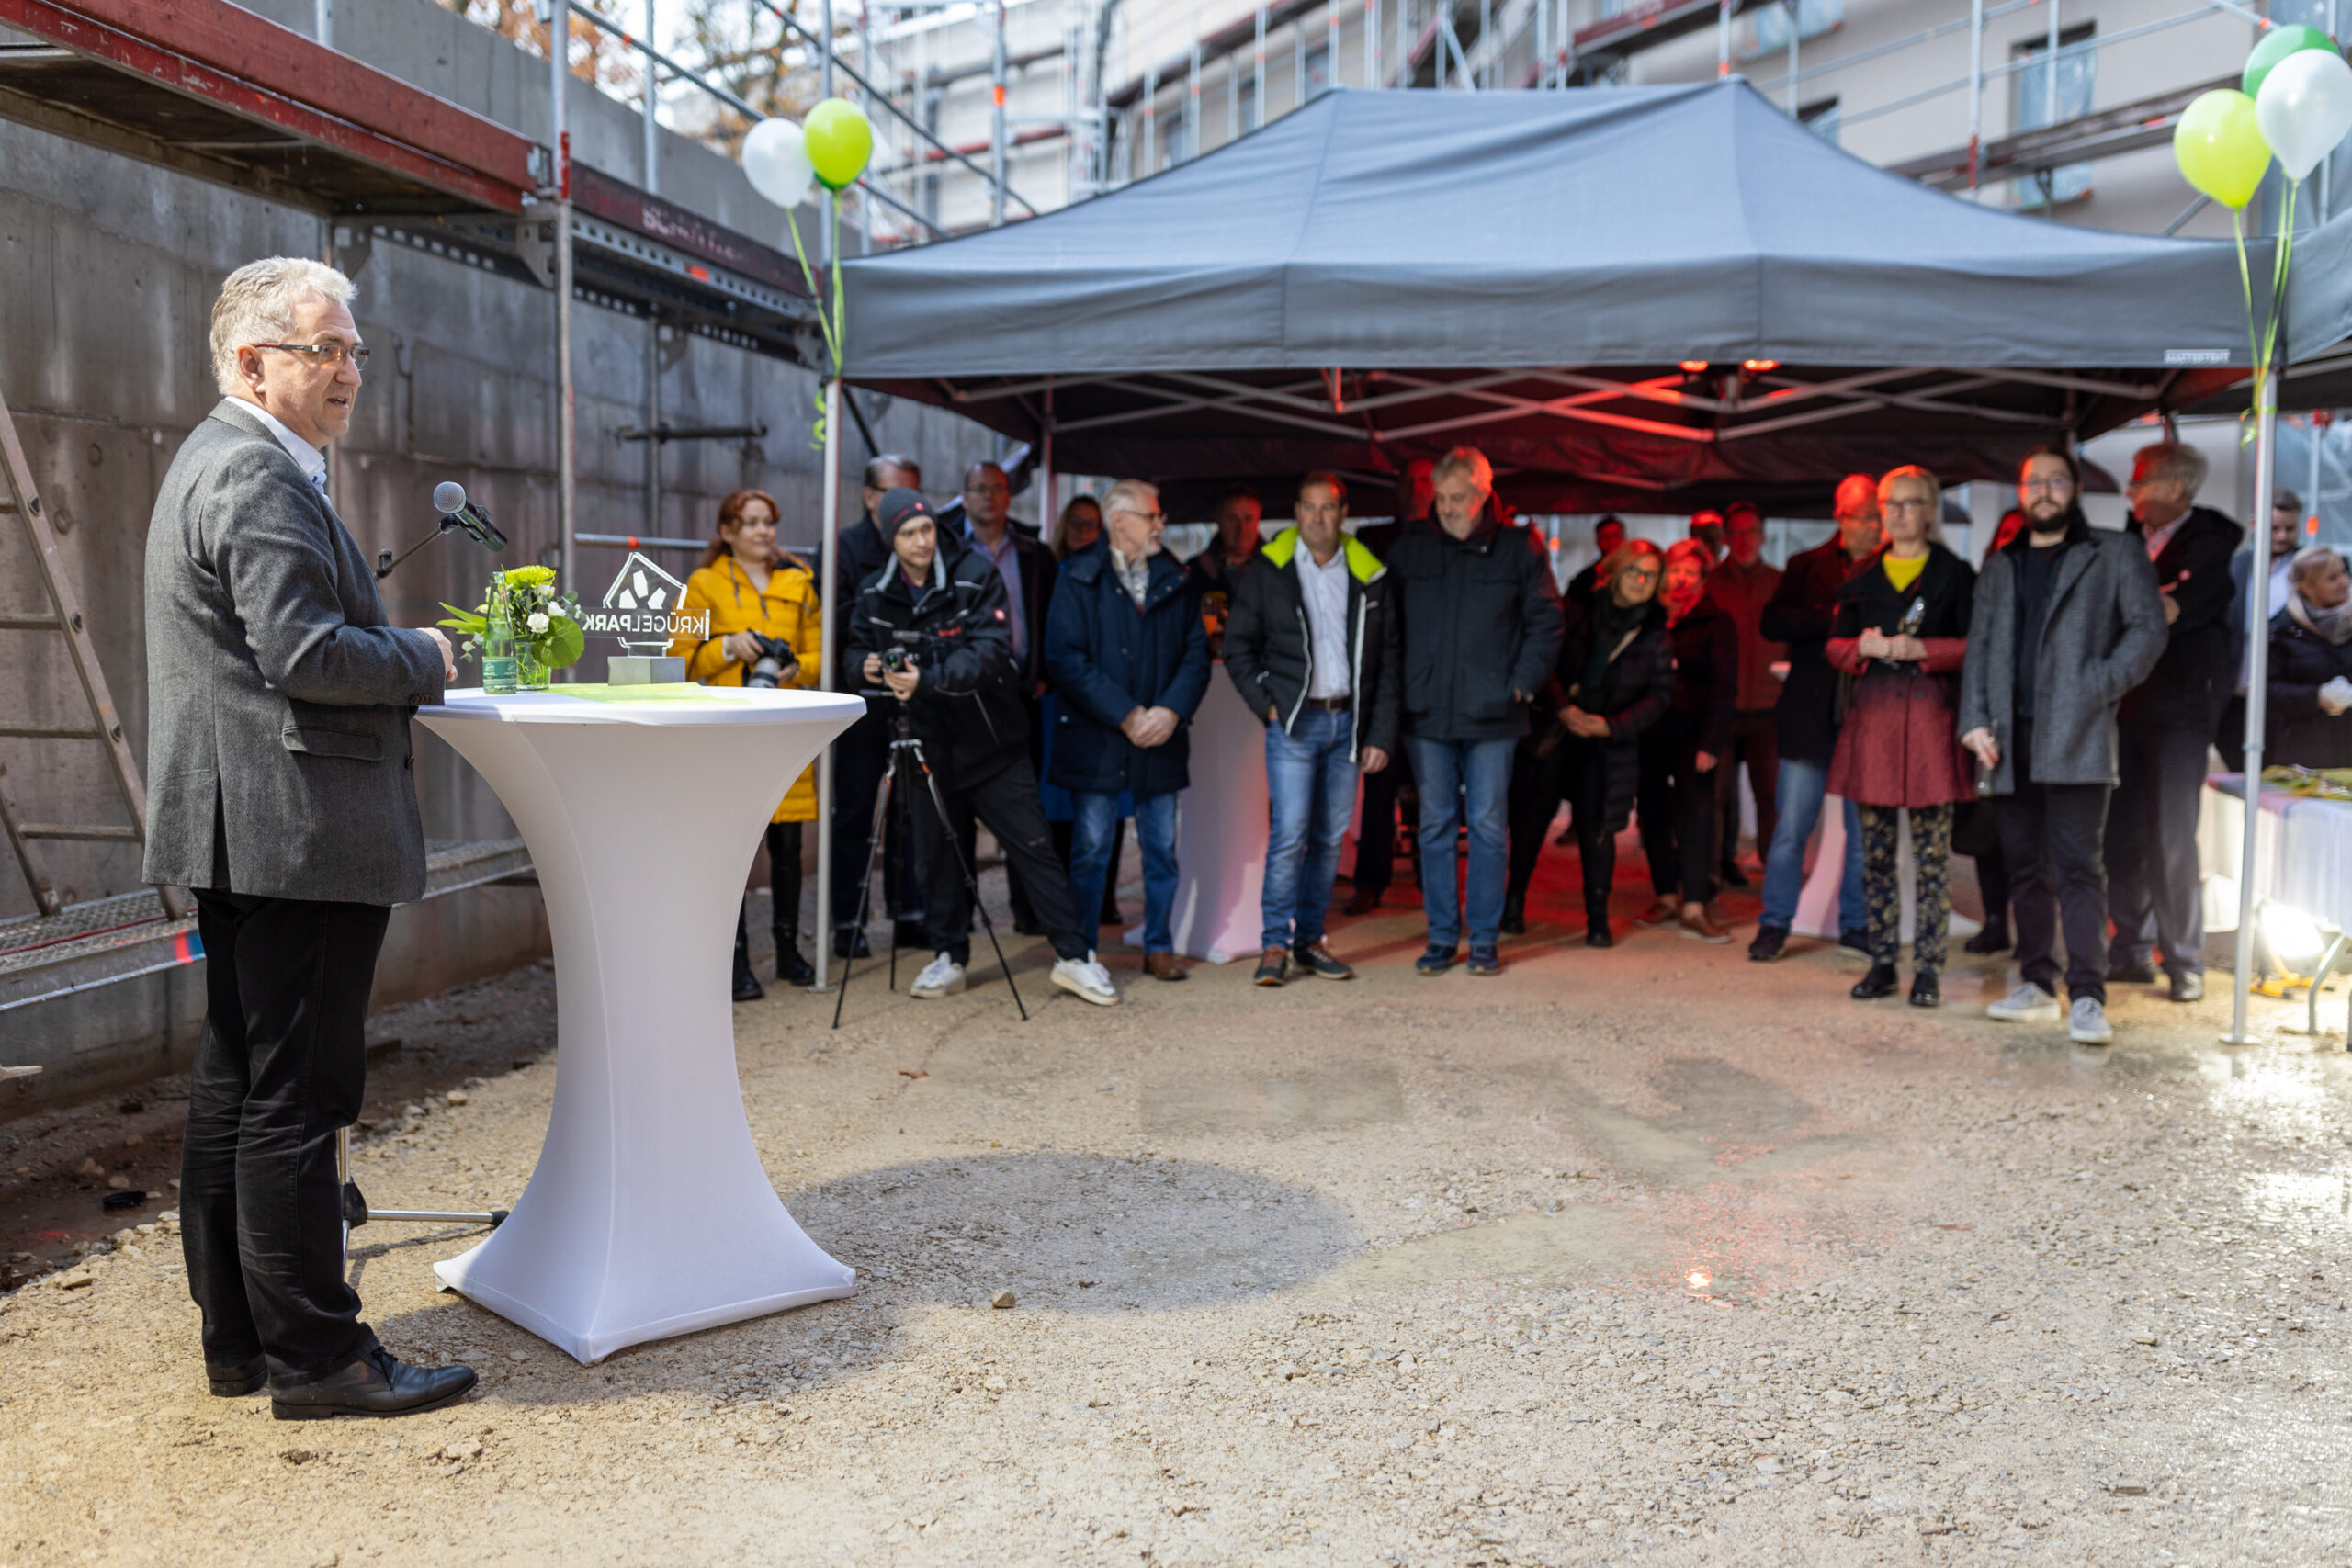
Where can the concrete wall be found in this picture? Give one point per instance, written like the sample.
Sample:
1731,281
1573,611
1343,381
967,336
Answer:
108,273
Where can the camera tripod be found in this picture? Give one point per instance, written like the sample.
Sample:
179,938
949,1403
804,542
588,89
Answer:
907,758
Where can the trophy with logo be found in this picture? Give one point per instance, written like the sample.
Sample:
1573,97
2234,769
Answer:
641,612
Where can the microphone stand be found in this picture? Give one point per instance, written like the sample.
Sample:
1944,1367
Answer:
385,561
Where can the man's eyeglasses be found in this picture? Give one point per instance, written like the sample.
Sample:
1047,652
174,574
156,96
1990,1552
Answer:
2058,486
331,354
1147,516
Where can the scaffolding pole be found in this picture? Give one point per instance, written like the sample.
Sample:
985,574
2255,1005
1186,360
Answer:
567,522
2257,678
829,552
1258,87
1975,93
996,122
652,96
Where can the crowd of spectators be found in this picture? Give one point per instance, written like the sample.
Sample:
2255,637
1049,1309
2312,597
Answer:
2048,714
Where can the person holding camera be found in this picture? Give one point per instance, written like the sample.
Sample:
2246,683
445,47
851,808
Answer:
932,632
764,619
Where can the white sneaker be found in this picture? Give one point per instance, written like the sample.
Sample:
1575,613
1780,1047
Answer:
1087,980
2088,1025
2029,1002
943,977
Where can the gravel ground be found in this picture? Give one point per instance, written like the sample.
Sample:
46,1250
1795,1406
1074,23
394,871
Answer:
1647,1256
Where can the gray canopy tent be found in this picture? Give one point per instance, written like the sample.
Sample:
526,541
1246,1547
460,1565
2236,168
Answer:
1645,299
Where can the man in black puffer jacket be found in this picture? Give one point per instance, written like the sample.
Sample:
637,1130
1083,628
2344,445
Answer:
1478,625
944,607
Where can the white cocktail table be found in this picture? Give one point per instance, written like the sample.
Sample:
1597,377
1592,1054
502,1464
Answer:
649,1213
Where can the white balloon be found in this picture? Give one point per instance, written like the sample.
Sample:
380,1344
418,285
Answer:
777,163
2305,108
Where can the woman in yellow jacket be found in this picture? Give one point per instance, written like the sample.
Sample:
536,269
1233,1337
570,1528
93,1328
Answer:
748,585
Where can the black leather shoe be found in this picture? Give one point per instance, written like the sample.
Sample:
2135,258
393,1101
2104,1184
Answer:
1879,982
234,1379
1514,920
1854,944
378,1383
2187,988
1925,992
791,969
1597,935
849,941
1992,938
1731,874
1362,903
747,987
2131,972
1771,943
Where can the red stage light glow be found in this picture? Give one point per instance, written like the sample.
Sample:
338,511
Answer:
1758,366
1694,367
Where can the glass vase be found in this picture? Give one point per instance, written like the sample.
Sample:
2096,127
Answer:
531,671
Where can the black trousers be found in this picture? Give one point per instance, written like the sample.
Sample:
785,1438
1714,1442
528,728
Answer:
784,887
2052,838
2229,735
1993,884
1533,801
1376,840
281,1065
1677,806
1584,769
2154,889
860,758
1007,801
1755,740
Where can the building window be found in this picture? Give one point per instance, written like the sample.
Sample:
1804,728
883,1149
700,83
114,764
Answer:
2038,100
1822,118
1766,29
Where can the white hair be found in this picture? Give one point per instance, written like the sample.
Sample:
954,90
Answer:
257,304
2175,461
2310,561
1131,495
1465,460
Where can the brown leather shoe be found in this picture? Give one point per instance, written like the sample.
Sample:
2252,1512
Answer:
1273,966
1665,912
1696,923
1162,966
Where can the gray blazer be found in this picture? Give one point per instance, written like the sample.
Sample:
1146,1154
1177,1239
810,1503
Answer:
2105,632
278,761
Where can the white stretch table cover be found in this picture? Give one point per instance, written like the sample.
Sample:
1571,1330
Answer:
2302,852
1221,831
649,1213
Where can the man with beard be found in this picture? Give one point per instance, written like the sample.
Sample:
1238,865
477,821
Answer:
2066,620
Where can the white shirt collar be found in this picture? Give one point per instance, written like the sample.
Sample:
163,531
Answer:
313,461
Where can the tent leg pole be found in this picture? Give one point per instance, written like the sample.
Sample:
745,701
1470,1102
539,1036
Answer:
827,639
2258,676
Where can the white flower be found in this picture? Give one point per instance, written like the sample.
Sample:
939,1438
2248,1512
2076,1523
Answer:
539,621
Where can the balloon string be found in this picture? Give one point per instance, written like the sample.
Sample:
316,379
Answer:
2245,283
2284,255
809,276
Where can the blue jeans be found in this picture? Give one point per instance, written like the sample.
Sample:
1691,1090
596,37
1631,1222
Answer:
1310,795
1461,780
1091,819
1802,787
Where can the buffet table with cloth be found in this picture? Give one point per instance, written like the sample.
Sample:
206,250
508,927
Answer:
649,1213
1220,832
2302,852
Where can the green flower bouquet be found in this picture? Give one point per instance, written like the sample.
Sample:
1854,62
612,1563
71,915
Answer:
522,631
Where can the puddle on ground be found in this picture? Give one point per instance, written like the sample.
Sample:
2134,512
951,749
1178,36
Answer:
1275,1106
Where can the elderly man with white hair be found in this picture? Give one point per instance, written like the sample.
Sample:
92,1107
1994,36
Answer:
282,792
2154,893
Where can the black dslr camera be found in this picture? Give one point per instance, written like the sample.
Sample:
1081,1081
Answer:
776,661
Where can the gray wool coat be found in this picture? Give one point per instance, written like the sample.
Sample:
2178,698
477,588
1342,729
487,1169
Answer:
278,759
2104,633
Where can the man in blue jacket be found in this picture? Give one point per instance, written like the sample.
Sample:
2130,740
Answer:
1309,651
1478,625
1125,648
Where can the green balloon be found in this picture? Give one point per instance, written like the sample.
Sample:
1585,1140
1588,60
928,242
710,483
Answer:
839,141
2219,148
2277,45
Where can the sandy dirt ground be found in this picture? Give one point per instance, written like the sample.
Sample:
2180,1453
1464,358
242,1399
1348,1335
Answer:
1649,1256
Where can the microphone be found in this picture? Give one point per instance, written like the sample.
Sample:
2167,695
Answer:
450,500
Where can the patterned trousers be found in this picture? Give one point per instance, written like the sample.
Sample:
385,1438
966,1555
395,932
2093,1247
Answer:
1883,894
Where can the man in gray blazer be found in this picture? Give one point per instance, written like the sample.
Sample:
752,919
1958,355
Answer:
2067,620
281,792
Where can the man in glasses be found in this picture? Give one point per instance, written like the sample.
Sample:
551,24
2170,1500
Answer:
281,792
2066,621
1129,659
